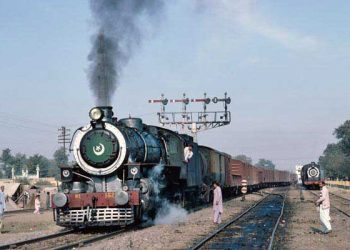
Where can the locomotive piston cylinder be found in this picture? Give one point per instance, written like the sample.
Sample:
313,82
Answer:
78,187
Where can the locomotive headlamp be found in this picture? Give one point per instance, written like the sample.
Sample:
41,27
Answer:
66,173
95,114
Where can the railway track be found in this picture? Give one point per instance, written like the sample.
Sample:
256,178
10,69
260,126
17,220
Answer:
20,211
253,229
344,200
37,239
342,204
67,239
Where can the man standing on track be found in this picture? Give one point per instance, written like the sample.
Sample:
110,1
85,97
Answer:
2,207
325,205
217,203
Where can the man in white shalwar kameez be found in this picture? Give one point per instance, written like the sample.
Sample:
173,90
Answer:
2,207
325,205
217,203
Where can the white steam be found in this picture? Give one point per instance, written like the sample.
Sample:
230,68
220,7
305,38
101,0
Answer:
167,213
170,214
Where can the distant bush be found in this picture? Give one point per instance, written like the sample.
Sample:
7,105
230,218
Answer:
23,181
43,183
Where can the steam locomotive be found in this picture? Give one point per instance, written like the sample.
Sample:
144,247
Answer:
311,175
124,166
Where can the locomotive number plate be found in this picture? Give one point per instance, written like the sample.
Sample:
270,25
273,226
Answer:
109,195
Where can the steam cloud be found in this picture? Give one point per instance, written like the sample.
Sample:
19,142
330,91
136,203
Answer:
167,213
170,213
118,34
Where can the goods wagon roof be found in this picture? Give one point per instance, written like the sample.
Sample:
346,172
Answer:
219,152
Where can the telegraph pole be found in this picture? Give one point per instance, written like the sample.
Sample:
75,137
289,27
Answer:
63,137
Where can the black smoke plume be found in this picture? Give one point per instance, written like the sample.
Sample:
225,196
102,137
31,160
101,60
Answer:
119,32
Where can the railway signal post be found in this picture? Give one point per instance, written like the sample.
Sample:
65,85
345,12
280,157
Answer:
194,121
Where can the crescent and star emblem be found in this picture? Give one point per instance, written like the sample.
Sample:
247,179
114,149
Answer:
99,149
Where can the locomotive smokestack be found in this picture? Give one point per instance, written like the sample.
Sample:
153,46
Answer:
107,113
118,33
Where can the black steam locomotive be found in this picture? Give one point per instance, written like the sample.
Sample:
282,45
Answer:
121,167
311,175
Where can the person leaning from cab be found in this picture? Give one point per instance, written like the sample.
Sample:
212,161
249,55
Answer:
188,153
324,205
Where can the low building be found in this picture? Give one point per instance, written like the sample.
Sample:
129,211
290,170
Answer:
25,174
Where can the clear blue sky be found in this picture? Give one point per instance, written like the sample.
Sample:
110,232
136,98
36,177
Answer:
285,65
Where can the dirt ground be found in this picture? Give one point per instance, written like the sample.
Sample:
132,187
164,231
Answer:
341,192
302,224
22,226
179,235
299,231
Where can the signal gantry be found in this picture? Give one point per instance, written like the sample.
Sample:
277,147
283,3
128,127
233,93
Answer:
194,121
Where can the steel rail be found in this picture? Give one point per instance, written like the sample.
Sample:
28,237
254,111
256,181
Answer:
206,239
341,211
341,197
88,241
277,222
37,239
27,210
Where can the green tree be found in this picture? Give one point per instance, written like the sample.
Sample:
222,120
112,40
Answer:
263,163
335,162
41,161
18,162
6,156
54,170
60,159
343,134
7,159
243,158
